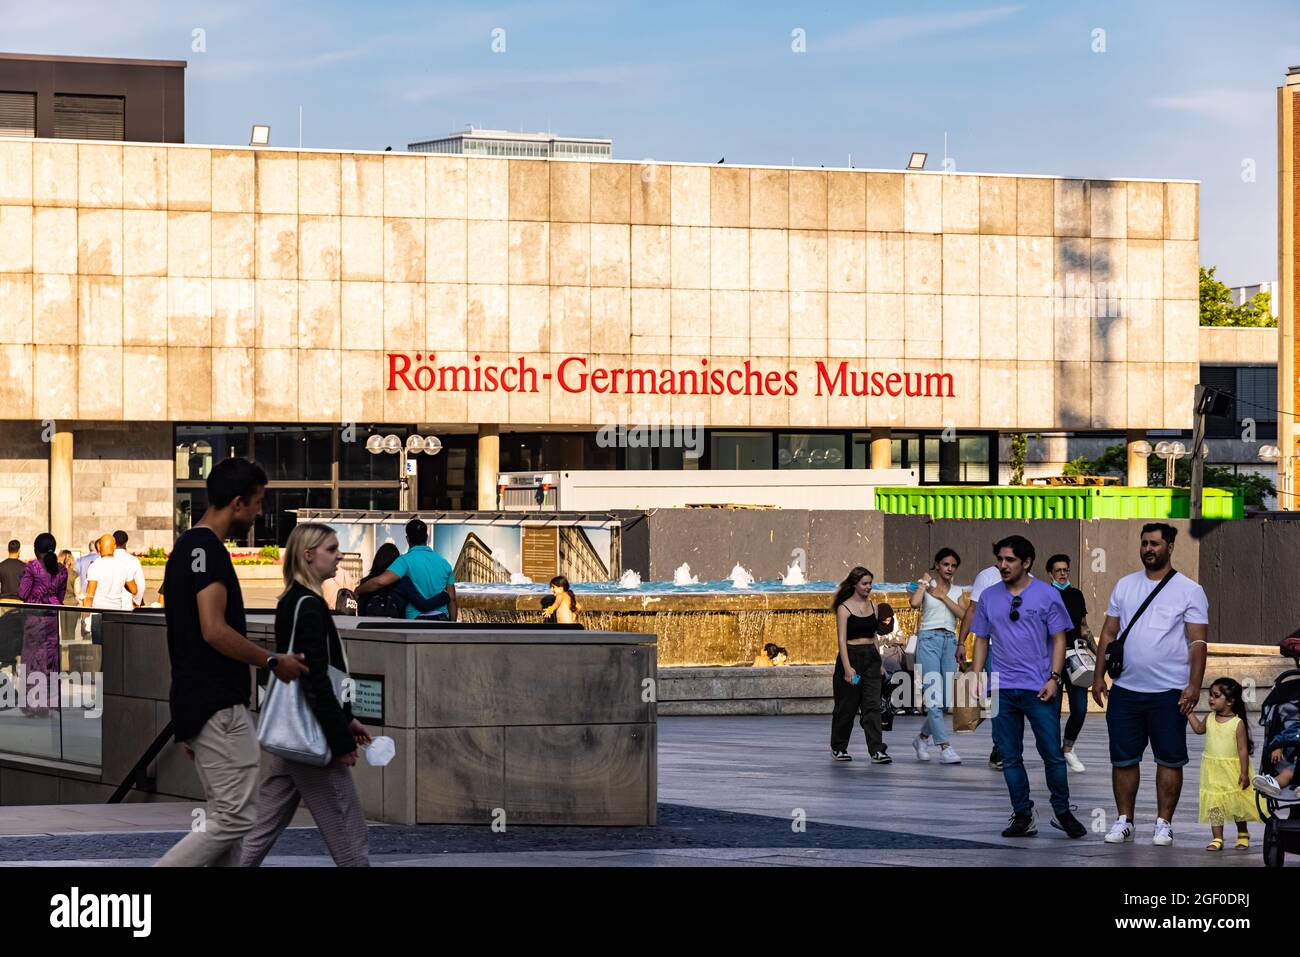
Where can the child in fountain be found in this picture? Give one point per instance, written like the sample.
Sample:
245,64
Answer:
564,607
772,655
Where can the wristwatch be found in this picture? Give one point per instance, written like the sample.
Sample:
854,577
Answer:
272,663
1058,678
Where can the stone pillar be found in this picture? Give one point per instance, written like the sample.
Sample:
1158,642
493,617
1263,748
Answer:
882,456
489,465
61,489
1137,465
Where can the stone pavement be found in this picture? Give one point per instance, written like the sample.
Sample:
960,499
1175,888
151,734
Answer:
731,790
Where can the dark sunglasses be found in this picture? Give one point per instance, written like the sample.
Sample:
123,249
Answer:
1015,606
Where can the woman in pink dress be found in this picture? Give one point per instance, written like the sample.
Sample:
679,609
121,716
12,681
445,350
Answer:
44,582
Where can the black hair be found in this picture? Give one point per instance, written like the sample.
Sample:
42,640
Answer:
772,649
1232,690
385,555
943,553
417,532
1167,531
234,478
1020,546
1054,559
559,581
45,549
14,544
120,538
849,584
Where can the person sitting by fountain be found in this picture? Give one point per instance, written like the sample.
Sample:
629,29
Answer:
563,610
941,607
859,669
391,602
428,571
772,655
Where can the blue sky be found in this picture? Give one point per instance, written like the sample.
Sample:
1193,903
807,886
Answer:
1182,90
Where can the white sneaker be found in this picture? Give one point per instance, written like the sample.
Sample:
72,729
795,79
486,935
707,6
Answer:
1164,833
921,749
1267,784
1073,763
949,756
1121,832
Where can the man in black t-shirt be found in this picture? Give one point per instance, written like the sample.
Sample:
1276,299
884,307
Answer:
11,571
210,657
1058,570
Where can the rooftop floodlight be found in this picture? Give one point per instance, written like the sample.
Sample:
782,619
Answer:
392,444
261,135
1141,448
917,161
375,444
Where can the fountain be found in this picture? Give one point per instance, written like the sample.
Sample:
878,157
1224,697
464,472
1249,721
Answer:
682,576
519,578
740,578
630,579
794,576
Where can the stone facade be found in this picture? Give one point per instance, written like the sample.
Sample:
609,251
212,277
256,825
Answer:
122,479
24,484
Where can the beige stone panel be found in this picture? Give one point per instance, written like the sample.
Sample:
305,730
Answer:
844,411
651,322
769,259
884,321
1109,210
320,184
189,384
570,250
277,182
1070,208
234,312
1146,400
1109,338
530,319
232,384
690,195
55,368
885,409
770,411
610,197
570,320
15,239
808,260
488,310
99,242
489,189
144,365
611,320
997,205
489,406
650,186
807,408
54,240
1146,210
362,305
276,305
99,175
320,385
1181,324
769,323
189,244
997,269
275,385
403,316
403,250
1145,327
1035,329
925,410
530,253
570,186
729,257
234,181
54,174
489,252
568,408
144,312
99,310
234,240
651,256
1073,382
1036,388
1182,212
446,311
441,407
998,327
446,250
144,177
1072,268
608,407
647,407
687,408
808,199
189,178
363,248
885,202
1035,207
807,324
729,323
998,399
54,308
99,382
365,383
689,320
530,190
16,381
1182,269
446,187
319,315
769,198
923,327
1180,394
1145,268
961,327
961,410
16,308
729,197
923,203
961,202
885,259
961,266
1034,266
528,407
1109,395
189,312
145,242
320,252
726,411
404,177
1110,287
689,257
923,263
362,184
16,172
846,261
846,201
277,247
1072,318
611,255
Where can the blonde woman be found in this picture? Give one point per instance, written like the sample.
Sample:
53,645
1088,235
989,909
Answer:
310,558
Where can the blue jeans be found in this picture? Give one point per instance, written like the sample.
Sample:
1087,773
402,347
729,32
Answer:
1014,706
936,653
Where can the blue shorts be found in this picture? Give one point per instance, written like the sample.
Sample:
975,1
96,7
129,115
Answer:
1135,717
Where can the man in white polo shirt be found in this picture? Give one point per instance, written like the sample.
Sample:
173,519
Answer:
1164,656
134,572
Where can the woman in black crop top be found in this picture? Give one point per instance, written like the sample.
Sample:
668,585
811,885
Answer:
858,620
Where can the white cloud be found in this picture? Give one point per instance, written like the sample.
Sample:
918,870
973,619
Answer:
1220,103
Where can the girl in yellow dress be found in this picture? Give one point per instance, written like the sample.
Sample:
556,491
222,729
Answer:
1225,764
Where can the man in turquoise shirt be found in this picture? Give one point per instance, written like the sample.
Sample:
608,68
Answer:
428,571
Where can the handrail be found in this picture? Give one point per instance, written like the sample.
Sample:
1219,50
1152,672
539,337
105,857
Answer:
136,776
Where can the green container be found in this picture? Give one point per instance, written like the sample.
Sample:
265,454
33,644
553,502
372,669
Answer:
1028,502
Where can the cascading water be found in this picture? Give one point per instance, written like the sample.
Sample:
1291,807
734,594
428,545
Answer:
740,578
519,578
683,576
794,575
629,579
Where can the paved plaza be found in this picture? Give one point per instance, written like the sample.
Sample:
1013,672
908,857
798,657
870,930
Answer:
730,790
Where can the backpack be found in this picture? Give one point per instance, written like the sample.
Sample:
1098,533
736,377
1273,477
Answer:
384,604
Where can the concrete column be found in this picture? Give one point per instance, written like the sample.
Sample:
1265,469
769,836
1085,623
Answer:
882,456
61,489
489,466
1137,465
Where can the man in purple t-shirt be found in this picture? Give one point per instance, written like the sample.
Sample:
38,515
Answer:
1023,622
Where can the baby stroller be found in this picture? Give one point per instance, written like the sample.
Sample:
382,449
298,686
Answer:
1281,833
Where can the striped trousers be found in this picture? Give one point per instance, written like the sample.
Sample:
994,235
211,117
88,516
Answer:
330,795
